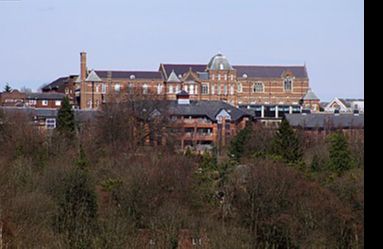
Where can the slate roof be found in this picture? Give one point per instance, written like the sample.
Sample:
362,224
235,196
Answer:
326,120
250,71
173,77
58,83
205,108
182,68
219,62
270,71
126,74
47,96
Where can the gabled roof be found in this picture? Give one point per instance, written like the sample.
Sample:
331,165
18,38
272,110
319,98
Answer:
251,71
93,77
310,95
128,74
173,77
181,69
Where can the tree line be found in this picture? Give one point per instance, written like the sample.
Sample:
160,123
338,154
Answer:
97,185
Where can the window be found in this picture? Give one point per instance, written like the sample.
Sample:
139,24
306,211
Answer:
130,88
50,123
103,88
191,87
44,102
239,87
219,77
159,88
58,102
30,102
232,77
287,84
205,89
225,89
177,88
66,91
231,89
212,76
170,89
219,89
213,89
117,87
225,77
258,87
145,89
196,89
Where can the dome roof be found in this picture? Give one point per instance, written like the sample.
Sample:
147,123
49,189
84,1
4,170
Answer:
219,62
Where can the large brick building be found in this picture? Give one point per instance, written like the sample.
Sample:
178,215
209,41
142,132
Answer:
277,89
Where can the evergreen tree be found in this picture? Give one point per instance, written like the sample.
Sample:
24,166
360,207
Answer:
7,88
237,144
77,213
65,118
286,143
340,157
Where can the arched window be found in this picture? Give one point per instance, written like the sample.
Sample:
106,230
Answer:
288,85
145,89
258,87
240,87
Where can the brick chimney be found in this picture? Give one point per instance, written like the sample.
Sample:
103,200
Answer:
83,65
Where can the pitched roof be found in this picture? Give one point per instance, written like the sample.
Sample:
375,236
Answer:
181,69
51,96
310,95
56,84
206,108
270,71
93,77
250,71
173,77
326,120
127,74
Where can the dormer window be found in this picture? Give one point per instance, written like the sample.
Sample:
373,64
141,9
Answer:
288,84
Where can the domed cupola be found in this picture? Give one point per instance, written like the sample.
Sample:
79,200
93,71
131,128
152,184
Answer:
219,62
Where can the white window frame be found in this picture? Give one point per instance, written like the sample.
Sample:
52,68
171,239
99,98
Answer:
205,89
145,89
291,84
50,123
159,88
117,88
170,90
255,87
240,87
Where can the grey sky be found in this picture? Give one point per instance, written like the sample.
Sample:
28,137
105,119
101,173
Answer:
40,40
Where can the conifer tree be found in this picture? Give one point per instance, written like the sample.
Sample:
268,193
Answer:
286,143
65,118
7,88
237,145
340,157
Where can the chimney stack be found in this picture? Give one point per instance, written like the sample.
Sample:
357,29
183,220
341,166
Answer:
83,66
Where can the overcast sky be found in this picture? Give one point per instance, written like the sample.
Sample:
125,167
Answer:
40,40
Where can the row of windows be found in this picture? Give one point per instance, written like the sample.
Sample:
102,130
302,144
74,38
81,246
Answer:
257,87
219,77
